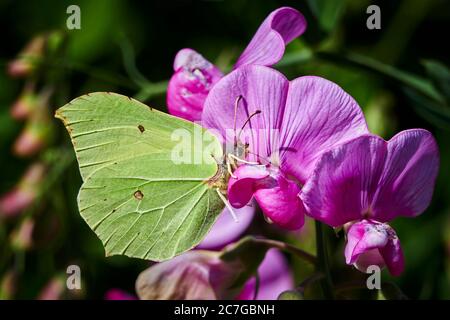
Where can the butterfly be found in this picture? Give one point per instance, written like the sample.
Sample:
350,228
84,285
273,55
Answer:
138,198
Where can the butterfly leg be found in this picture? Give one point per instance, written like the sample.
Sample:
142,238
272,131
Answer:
228,205
230,155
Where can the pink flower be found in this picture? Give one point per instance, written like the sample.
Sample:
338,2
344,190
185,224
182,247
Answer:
276,195
203,275
194,76
53,290
27,61
374,243
194,275
293,123
24,106
370,181
34,136
26,191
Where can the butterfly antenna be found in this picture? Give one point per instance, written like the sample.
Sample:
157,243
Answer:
260,157
241,160
247,121
227,204
236,104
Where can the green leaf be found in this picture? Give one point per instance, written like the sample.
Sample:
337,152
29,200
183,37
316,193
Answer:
437,114
246,255
440,75
140,202
421,85
327,12
290,295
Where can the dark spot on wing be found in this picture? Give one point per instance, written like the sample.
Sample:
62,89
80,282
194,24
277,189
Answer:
138,195
141,128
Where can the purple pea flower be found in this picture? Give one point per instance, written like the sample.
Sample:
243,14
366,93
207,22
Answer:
366,183
194,275
288,125
190,84
200,275
194,75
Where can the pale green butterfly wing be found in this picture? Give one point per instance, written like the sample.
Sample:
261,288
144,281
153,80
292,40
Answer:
139,201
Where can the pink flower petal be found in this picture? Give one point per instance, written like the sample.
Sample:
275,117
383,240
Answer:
278,29
298,120
194,275
318,116
263,89
190,84
407,183
226,230
280,202
344,181
373,243
363,236
393,256
241,188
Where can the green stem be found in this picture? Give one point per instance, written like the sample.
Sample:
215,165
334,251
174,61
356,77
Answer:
150,90
323,265
289,248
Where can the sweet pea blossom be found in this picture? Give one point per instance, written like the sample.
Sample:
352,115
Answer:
25,105
370,242
26,62
194,275
202,275
194,75
287,126
367,182
24,193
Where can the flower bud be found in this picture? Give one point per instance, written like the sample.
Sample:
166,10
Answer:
195,275
26,191
53,290
28,59
24,106
22,238
34,136
190,84
8,285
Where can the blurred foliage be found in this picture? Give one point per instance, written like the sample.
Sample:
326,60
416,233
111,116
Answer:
399,75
